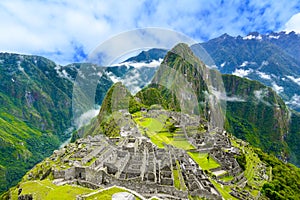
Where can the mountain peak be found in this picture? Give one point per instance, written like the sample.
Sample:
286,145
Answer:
181,49
255,33
117,98
148,56
226,36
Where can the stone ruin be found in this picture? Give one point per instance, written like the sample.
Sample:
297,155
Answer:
97,163
134,162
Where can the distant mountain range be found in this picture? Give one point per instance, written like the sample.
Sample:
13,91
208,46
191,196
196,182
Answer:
273,59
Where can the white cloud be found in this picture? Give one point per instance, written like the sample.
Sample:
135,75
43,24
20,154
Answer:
132,81
138,65
263,75
294,102
113,77
295,80
223,64
110,51
223,96
242,73
274,37
60,30
251,37
264,63
86,117
260,94
245,63
212,66
293,24
277,88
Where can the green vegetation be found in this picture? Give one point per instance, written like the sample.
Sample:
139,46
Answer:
262,119
178,179
134,105
153,198
161,131
285,178
282,184
241,159
252,164
110,120
205,161
158,95
227,178
196,198
224,190
45,189
293,138
21,147
152,124
116,98
35,112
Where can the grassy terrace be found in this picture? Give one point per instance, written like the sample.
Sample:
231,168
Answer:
207,164
48,190
178,179
203,162
227,178
224,190
156,130
252,165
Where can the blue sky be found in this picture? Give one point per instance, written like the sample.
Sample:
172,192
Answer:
68,30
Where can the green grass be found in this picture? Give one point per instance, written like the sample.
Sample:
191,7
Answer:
252,166
91,161
203,162
22,146
252,162
176,178
155,129
224,191
181,180
158,138
107,194
153,125
227,178
167,138
137,115
182,144
47,190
